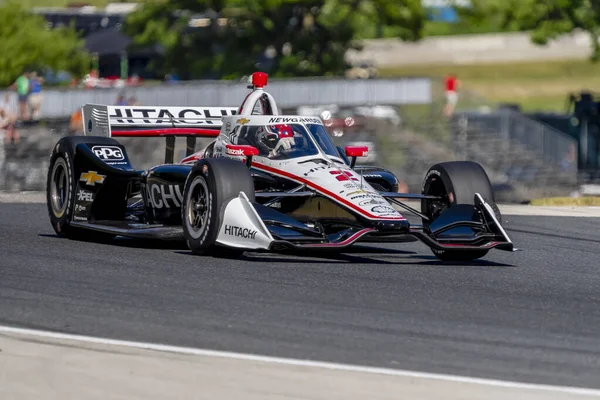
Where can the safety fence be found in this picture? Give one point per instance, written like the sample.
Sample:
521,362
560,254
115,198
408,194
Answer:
551,146
61,103
524,158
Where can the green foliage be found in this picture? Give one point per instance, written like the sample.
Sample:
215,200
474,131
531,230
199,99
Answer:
305,37
25,43
546,19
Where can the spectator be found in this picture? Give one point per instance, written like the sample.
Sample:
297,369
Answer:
121,100
76,123
133,101
8,120
22,87
569,161
452,84
35,95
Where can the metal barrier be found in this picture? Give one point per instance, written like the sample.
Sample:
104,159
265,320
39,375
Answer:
288,93
551,145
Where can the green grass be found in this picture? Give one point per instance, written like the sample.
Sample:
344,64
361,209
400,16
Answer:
567,201
535,85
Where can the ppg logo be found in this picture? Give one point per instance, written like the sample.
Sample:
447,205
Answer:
108,153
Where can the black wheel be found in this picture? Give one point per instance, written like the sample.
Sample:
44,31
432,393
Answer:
60,191
211,184
456,182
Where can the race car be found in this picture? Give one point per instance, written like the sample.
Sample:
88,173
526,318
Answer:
266,182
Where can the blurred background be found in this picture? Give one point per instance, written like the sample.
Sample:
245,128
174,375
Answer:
510,84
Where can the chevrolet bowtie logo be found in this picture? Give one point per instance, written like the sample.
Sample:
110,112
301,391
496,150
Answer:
91,178
243,121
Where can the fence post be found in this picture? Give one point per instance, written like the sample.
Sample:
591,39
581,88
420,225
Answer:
583,144
505,126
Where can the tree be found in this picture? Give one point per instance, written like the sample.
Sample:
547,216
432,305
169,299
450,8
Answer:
546,19
231,38
26,43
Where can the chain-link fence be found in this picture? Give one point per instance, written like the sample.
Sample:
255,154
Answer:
523,157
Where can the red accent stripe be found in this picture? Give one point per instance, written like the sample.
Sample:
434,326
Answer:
167,132
346,242
324,191
464,246
192,158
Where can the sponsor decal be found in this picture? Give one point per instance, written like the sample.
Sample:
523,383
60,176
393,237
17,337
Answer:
168,116
351,186
237,231
359,191
164,196
91,178
372,176
361,196
234,152
84,195
368,195
371,202
78,218
343,175
242,121
79,207
108,153
384,210
316,169
287,120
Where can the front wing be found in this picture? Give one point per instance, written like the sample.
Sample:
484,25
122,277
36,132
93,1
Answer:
253,226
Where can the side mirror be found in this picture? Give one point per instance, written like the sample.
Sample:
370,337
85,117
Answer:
356,151
242,151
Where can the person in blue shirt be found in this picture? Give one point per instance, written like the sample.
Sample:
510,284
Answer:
121,100
35,95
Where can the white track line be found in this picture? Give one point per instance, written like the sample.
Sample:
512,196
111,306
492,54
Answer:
296,362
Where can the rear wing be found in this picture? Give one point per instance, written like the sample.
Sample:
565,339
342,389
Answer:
169,122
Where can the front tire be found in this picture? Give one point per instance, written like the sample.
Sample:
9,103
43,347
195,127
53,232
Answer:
60,192
211,184
456,182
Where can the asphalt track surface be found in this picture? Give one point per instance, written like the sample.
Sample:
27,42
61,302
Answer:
531,316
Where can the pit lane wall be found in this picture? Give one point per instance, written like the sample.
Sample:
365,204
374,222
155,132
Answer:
61,103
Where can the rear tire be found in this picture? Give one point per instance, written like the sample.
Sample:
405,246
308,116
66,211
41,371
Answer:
60,191
211,184
456,182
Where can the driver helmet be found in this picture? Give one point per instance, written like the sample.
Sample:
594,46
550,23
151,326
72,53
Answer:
269,135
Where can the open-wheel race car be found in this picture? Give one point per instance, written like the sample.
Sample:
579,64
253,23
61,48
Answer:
266,182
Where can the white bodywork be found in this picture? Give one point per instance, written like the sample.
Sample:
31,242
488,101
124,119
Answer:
326,174
242,227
